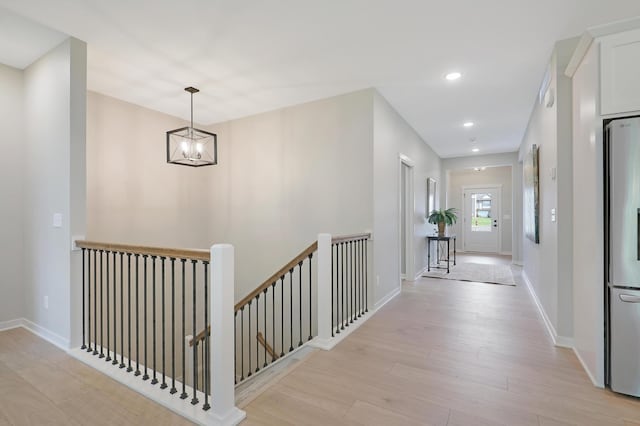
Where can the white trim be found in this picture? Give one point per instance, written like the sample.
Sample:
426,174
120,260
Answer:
560,341
517,263
585,368
46,334
505,253
578,55
11,324
409,265
328,344
173,402
419,274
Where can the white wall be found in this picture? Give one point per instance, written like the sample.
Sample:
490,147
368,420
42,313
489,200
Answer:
547,265
11,193
283,177
54,91
588,237
392,137
457,179
493,160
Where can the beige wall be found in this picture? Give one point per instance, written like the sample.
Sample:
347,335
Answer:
490,176
283,177
547,265
54,106
394,137
11,193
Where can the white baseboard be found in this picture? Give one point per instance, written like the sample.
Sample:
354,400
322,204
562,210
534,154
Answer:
560,341
195,413
328,344
517,263
8,325
584,366
505,253
386,299
38,330
419,274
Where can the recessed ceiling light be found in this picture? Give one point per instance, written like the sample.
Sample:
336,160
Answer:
475,149
468,124
453,76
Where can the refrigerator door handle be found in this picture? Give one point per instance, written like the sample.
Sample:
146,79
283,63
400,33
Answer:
629,298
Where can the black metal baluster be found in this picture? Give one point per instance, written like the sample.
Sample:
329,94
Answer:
115,318
194,400
184,335
359,257
249,339
353,282
281,316
366,275
164,375
89,300
290,309
273,319
84,281
265,326
310,328
207,372
242,344
257,331
342,287
144,321
95,302
300,304
153,312
137,372
122,310
129,369
101,306
333,269
108,358
338,282
173,326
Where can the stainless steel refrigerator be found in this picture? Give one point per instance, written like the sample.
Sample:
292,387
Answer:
622,253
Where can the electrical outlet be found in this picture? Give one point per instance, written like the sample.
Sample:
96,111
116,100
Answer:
46,302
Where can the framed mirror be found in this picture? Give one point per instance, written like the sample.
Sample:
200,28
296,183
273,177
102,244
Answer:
432,195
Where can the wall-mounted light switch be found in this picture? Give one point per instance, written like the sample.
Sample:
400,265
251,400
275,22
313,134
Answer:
57,220
553,215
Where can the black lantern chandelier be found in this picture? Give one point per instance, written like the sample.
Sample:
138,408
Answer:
188,146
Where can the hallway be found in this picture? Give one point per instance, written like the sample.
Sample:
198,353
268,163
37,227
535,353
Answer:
445,353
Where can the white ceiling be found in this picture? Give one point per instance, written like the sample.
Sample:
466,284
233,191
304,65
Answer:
254,55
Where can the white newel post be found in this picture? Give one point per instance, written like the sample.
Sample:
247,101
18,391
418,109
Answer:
324,291
223,406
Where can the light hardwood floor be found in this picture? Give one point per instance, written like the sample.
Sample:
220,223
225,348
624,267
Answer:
42,385
445,353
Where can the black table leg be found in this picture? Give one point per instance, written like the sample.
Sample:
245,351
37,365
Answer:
428,255
454,252
448,254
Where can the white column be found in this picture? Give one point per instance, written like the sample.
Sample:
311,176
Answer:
223,406
324,291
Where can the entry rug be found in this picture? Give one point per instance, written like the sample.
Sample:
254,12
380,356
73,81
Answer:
475,272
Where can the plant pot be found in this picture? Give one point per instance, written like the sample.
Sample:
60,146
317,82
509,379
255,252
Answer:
441,229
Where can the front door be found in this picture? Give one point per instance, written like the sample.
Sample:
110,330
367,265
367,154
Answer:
481,220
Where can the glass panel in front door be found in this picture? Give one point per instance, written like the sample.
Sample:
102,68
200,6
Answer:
481,212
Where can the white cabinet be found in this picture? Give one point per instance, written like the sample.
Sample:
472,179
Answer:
620,72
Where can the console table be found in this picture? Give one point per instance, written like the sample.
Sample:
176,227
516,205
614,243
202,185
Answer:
445,239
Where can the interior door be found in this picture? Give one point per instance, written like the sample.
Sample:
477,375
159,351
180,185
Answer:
481,220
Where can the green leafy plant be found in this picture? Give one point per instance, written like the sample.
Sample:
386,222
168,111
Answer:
442,218
448,216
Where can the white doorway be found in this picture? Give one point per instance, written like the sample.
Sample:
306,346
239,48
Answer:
406,207
481,218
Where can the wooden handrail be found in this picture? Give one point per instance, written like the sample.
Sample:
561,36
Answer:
352,237
281,272
201,336
263,342
191,254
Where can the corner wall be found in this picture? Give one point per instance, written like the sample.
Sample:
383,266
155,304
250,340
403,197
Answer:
54,92
393,136
547,264
12,188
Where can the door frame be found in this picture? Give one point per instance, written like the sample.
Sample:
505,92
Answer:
409,225
495,186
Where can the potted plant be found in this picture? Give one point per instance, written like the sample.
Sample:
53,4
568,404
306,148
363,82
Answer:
443,218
